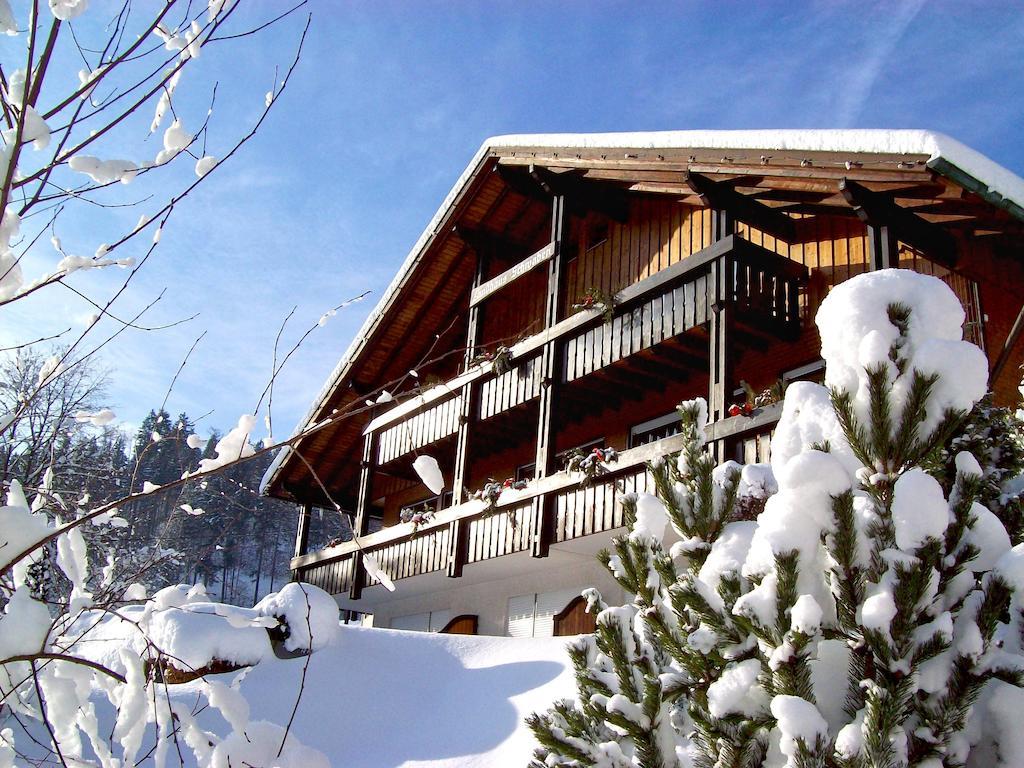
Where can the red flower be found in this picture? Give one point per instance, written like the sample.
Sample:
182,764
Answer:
735,410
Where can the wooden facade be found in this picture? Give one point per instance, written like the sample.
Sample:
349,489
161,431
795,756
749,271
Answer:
716,267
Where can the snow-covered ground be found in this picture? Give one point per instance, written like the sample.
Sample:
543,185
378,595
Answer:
380,698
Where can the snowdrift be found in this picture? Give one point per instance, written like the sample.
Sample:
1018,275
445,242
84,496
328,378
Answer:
378,698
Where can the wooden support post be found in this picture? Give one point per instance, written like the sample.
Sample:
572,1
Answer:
362,520
302,532
462,442
720,351
476,311
358,576
723,223
458,547
551,375
469,392
884,248
720,337
365,485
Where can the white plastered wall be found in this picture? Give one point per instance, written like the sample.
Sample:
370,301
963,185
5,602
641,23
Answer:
488,599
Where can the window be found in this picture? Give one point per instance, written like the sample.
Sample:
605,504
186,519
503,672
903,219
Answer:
655,429
430,501
528,471
533,615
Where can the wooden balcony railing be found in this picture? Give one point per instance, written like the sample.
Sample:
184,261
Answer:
647,324
469,533
419,430
515,386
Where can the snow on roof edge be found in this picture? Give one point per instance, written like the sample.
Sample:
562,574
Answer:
990,175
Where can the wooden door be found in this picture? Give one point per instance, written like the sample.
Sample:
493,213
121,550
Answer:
461,625
574,619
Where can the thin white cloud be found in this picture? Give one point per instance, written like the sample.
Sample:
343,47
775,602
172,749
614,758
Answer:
855,92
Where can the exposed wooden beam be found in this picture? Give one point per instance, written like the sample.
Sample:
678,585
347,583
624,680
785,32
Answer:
722,197
878,210
816,172
684,194
522,184
584,196
762,194
581,196
681,163
498,282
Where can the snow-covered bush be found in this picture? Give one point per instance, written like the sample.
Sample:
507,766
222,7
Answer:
307,616
65,668
864,614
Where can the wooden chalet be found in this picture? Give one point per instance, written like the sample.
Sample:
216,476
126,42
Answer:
717,248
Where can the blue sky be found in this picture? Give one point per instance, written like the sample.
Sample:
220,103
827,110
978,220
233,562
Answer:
391,100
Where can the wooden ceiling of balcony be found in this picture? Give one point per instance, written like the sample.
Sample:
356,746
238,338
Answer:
507,201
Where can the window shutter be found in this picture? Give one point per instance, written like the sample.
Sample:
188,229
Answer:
520,615
549,605
416,622
439,620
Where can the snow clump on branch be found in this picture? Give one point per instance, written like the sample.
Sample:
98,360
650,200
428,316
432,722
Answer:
232,447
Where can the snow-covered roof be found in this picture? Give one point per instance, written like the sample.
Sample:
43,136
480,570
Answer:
945,154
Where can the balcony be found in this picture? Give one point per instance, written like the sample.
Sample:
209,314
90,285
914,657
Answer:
469,533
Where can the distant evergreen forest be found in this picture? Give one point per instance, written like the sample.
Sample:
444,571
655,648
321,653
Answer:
216,529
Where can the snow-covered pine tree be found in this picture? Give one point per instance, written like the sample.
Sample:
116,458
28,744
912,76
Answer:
857,622
995,436
649,663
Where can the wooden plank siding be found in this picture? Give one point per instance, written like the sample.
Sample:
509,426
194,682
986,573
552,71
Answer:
514,312
662,232
614,255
